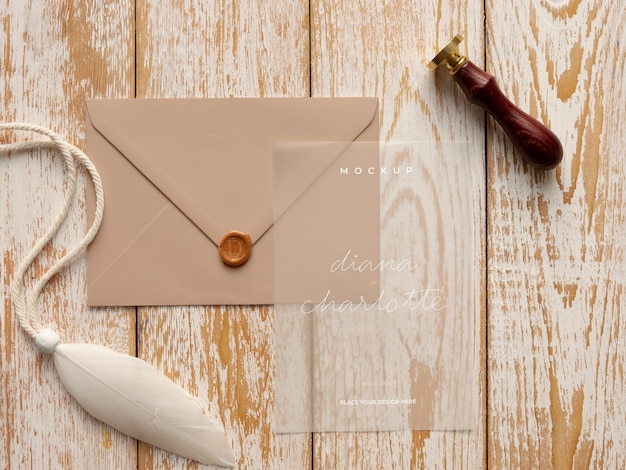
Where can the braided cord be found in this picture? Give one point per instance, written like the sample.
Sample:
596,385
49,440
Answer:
25,306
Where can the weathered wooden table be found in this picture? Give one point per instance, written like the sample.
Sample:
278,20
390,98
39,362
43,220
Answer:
550,349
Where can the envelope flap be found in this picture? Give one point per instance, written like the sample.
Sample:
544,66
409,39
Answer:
212,158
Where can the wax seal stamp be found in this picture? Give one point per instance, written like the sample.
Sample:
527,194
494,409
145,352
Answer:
536,143
235,248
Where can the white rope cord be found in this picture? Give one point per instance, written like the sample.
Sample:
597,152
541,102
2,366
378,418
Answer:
89,372
26,307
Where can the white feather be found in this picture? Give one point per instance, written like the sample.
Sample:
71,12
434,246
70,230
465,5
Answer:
121,390
137,399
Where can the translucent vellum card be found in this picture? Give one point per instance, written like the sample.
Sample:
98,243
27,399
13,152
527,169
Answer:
388,342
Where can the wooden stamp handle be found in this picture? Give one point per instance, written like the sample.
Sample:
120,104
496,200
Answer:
536,143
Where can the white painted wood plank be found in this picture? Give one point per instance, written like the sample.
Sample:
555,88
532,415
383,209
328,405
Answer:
54,54
556,266
223,355
381,49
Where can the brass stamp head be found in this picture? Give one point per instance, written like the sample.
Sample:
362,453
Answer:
449,56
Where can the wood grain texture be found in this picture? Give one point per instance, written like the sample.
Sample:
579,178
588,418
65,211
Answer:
54,54
381,49
549,317
556,241
223,355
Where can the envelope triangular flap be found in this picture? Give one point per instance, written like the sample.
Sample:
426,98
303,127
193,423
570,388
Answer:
213,157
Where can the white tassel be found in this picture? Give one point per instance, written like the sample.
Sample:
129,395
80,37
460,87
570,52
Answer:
134,397
120,390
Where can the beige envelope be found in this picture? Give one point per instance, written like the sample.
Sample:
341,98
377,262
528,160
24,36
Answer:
179,174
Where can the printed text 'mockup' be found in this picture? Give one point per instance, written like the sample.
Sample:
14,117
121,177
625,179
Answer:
383,170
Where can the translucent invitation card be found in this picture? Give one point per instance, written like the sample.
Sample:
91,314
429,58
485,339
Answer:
388,233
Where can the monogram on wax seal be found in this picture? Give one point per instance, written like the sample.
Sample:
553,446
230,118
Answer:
235,248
